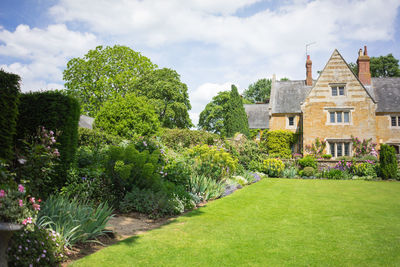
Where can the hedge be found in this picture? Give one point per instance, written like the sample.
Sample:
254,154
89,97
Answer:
9,99
279,143
179,138
95,137
388,162
54,111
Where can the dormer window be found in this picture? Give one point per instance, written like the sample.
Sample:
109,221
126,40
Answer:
337,90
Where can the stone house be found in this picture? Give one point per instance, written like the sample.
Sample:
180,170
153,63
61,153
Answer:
336,106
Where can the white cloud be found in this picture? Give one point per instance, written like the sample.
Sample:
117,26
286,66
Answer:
40,55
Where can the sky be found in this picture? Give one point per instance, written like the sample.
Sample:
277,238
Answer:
210,43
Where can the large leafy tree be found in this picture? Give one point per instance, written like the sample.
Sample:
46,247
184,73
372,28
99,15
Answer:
382,66
128,117
236,118
212,118
169,96
258,91
103,74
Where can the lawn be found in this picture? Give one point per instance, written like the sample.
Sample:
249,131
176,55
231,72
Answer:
273,223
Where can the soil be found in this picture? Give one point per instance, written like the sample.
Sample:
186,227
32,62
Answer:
122,226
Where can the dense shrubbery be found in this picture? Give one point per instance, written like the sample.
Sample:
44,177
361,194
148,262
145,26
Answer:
9,100
95,137
184,138
388,162
249,153
56,112
40,247
273,167
278,143
307,161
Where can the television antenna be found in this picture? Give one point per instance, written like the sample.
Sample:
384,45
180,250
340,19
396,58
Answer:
307,45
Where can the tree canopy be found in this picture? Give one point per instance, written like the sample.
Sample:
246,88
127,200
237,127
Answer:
103,74
212,118
127,116
382,66
169,96
236,119
258,91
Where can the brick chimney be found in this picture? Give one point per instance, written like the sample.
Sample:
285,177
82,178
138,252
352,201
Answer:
364,73
308,71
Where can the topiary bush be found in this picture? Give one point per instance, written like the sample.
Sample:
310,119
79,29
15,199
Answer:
308,171
388,162
9,100
307,161
128,116
273,167
279,143
95,137
56,112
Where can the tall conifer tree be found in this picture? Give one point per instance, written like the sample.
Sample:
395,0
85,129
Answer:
236,118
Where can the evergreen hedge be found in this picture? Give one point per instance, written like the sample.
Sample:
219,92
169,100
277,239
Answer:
388,162
279,143
236,119
9,99
54,111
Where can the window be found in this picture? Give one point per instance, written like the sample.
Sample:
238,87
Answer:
291,121
337,90
395,121
338,149
339,117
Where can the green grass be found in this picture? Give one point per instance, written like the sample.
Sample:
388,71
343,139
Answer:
275,222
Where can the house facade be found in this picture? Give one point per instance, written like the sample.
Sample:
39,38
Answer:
336,106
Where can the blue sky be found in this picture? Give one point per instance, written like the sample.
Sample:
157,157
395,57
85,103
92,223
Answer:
210,43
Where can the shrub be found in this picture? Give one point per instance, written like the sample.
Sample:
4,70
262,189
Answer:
335,174
178,171
364,169
279,143
388,162
56,112
40,247
127,116
326,156
205,188
308,171
246,151
75,221
37,163
273,167
95,137
9,100
236,119
290,172
308,161
184,138
211,161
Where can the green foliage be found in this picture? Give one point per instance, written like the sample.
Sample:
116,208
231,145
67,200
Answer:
127,117
205,188
211,161
326,156
364,169
279,143
103,74
178,171
184,138
307,161
273,167
290,172
9,100
95,137
173,201
37,163
168,95
308,171
335,174
236,119
258,91
249,153
40,247
212,118
56,112
384,66
317,148
388,162
75,221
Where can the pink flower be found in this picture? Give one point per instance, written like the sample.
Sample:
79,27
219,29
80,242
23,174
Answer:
51,133
29,220
21,203
32,200
21,188
2,193
56,153
36,206
53,140
24,222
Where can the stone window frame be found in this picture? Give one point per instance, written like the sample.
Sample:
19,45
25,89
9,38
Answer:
397,120
288,126
336,142
337,86
336,110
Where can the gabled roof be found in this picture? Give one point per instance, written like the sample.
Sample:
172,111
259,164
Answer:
257,115
289,95
387,93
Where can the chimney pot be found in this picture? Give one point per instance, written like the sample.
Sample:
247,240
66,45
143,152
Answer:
365,51
308,71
